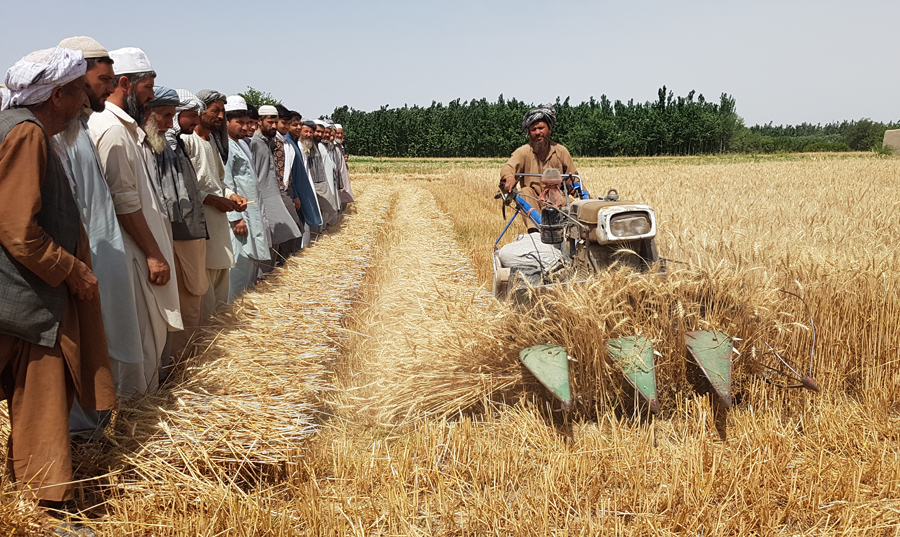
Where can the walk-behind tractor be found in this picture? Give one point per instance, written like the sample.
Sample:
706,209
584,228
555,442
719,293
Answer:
586,236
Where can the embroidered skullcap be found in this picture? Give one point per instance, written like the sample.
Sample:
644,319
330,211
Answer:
130,60
541,113
209,96
234,103
187,101
88,46
33,78
267,110
163,96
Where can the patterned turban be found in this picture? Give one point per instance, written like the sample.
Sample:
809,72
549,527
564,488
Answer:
541,113
209,96
33,78
187,101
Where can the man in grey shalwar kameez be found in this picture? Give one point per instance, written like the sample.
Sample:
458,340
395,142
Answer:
315,167
98,215
250,229
285,231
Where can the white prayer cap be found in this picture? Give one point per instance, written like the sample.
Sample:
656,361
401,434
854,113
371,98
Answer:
338,126
33,78
129,60
267,110
319,122
87,45
234,103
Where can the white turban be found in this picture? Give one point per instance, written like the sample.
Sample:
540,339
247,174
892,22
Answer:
33,78
338,126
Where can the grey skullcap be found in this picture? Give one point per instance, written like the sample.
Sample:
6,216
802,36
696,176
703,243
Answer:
209,96
187,101
163,96
541,113
87,45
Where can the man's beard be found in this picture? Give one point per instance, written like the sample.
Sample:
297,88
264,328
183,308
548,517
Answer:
69,136
307,144
133,109
96,104
157,141
540,146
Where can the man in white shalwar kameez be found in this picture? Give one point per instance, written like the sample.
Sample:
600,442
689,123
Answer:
110,262
346,193
146,231
328,164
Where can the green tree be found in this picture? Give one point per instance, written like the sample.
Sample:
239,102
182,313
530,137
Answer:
258,98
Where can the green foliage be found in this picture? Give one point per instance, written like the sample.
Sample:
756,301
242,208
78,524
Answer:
478,128
882,149
669,125
258,98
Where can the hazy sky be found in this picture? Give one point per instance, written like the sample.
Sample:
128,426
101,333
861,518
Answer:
784,61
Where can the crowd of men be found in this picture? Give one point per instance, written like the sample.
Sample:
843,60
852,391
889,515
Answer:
132,213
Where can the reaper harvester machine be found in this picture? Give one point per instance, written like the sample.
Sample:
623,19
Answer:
585,237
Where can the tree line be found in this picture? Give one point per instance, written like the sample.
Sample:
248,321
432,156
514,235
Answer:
670,125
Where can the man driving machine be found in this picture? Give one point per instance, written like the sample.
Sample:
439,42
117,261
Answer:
535,157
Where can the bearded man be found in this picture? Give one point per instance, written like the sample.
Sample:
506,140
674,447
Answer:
297,180
131,176
110,262
52,342
315,166
346,193
251,239
284,229
183,205
539,154
206,156
322,139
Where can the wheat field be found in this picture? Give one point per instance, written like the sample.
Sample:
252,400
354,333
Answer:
372,387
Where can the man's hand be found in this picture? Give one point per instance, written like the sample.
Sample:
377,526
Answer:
82,282
241,202
239,227
510,183
223,205
297,204
160,273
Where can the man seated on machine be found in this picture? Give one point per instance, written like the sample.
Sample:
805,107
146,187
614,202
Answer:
540,154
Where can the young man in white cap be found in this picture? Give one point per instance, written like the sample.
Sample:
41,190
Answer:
285,231
52,342
251,239
112,266
146,230
206,155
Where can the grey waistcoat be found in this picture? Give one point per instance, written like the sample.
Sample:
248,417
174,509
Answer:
30,308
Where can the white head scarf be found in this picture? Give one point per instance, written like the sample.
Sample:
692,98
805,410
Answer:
33,78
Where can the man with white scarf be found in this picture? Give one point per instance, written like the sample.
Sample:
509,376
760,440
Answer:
322,140
130,173
183,204
315,167
111,264
52,341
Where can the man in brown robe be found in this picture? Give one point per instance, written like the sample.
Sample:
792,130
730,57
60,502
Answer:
538,155
52,343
